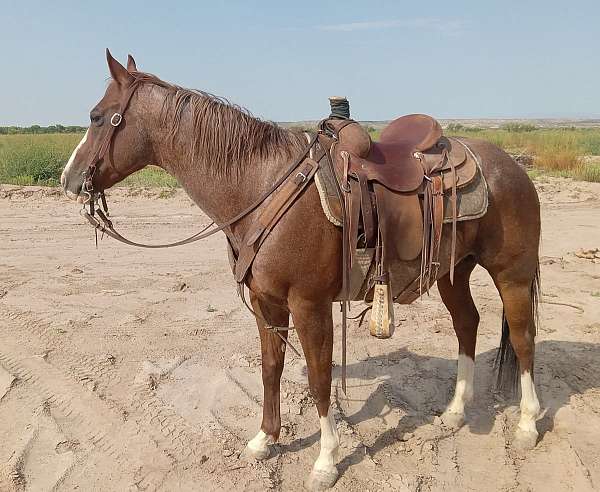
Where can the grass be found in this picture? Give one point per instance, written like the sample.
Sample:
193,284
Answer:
35,159
39,159
150,176
556,151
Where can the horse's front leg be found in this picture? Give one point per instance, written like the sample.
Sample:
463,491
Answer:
273,356
314,324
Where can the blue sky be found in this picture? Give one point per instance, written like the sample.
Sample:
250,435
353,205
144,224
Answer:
283,59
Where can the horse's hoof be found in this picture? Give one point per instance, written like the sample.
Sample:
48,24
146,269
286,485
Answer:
453,420
251,454
524,440
321,479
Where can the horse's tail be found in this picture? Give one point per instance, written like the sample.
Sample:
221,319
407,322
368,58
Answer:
506,363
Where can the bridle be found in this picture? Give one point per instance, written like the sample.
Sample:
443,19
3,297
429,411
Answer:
98,216
102,151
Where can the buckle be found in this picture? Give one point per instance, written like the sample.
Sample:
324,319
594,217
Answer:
116,119
303,176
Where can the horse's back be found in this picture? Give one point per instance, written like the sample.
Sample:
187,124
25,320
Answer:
510,230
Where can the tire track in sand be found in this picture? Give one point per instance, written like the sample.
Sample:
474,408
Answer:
173,434
93,420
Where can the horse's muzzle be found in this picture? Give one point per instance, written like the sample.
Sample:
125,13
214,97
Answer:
71,190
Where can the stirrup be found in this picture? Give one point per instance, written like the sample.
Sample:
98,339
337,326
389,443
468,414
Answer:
381,324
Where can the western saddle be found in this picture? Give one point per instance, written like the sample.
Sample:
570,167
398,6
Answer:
392,196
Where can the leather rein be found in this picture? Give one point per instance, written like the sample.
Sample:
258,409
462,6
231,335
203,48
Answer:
98,216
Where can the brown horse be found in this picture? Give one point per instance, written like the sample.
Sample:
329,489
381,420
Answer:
225,159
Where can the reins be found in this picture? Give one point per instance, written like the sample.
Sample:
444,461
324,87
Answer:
105,225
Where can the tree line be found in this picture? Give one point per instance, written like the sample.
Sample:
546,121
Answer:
37,129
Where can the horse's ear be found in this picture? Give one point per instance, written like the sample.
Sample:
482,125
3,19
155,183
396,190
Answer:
118,72
131,66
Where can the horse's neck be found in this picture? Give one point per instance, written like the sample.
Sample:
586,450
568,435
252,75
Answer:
224,196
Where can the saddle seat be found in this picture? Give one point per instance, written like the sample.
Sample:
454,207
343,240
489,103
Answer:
419,131
410,148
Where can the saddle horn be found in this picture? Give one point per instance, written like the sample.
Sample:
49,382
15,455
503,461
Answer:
340,107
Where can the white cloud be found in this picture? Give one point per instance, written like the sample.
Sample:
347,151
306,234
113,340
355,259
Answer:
445,26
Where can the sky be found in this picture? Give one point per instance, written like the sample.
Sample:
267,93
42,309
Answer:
282,60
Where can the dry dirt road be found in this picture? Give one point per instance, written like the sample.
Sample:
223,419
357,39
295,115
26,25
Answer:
128,369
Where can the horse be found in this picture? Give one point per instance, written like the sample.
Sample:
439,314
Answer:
224,158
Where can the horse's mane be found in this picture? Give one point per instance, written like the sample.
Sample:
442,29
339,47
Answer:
224,134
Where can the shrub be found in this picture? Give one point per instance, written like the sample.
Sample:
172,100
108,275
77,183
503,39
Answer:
519,127
455,127
566,159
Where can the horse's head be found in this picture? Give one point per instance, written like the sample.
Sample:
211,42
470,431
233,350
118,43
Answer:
115,145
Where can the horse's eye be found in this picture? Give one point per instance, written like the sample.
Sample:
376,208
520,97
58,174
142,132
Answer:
97,119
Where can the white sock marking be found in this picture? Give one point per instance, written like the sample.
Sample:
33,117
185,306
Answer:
260,442
464,385
67,168
330,443
530,406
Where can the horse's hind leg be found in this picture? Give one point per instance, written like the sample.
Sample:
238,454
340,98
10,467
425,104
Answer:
519,297
273,357
465,319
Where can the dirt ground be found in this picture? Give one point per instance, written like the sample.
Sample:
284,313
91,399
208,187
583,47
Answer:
129,369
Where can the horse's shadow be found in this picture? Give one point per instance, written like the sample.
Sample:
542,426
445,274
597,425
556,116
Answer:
419,387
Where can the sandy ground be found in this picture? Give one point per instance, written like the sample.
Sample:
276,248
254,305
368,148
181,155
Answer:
128,369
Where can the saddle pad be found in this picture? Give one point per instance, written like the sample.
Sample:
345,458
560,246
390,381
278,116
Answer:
472,199
330,202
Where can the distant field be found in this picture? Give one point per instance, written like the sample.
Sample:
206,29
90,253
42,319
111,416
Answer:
560,151
39,158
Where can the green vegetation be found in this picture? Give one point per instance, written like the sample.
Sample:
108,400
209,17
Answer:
151,176
39,160
34,157
557,151
518,127
37,129
460,128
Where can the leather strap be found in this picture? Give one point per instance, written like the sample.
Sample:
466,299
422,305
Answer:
427,219
433,220
341,192
367,211
102,150
438,221
106,226
353,213
280,198
454,219
271,215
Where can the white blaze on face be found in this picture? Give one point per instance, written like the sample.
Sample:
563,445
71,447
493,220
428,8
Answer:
72,159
